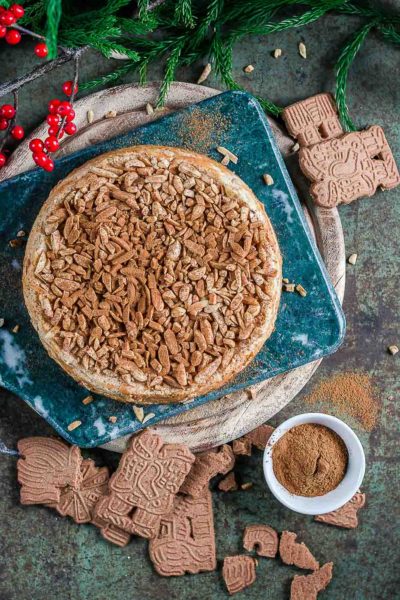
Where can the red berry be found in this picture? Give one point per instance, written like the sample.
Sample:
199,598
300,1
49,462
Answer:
64,108
3,124
3,159
36,145
52,130
18,132
7,18
48,165
51,143
53,120
41,50
7,111
70,116
67,88
40,158
70,128
53,105
13,37
17,10
3,31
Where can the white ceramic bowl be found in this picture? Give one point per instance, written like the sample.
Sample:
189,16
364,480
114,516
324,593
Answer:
346,489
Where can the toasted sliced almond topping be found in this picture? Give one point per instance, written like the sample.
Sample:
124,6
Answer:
268,180
228,153
148,417
205,73
139,412
87,400
90,116
74,425
300,290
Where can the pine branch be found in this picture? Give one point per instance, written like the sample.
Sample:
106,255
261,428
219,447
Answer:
183,13
54,11
342,71
172,63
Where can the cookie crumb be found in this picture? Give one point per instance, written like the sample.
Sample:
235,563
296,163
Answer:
288,287
268,180
277,53
205,73
228,483
302,50
74,425
21,233
352,259
225,161
112,419
393,349
111,114
15,329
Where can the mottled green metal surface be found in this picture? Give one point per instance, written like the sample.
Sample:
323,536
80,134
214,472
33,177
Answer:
45,556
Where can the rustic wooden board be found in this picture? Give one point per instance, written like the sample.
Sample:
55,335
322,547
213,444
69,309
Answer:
227,418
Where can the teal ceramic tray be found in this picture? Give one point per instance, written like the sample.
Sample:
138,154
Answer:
306,329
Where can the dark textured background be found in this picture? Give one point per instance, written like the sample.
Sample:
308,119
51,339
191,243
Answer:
45,556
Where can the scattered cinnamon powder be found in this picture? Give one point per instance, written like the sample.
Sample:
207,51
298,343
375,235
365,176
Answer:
352,393
201,131
310,460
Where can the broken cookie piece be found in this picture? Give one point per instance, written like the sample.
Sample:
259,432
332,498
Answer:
262,538
79,501
46,467
228,483
258,438
313,120
306,587
239,572
186,540
206,466
143,488
346,516
296,553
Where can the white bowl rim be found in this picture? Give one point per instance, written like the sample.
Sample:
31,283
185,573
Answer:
350,484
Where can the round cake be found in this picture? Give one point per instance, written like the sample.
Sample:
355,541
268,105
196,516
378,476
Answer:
152,275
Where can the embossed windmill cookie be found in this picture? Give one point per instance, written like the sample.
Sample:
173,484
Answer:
143,488
346,516
306,587
262,538
295,553
186,540
46,467
313,120
78,502
206,466
350,167
239,572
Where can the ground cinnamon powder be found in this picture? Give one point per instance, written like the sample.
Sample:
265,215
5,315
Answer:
201,130
352,393
310,460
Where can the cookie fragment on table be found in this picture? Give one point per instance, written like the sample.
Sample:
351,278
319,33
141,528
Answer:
350,167
306,587
258,437
262,538
143,488
206,466
313,120
296,553
186,539
46,466
346,516
239,572
228,483
79,501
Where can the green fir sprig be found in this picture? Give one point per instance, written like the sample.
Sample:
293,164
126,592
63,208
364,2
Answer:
184,32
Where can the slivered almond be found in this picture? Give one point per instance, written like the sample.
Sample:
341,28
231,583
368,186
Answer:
139,412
